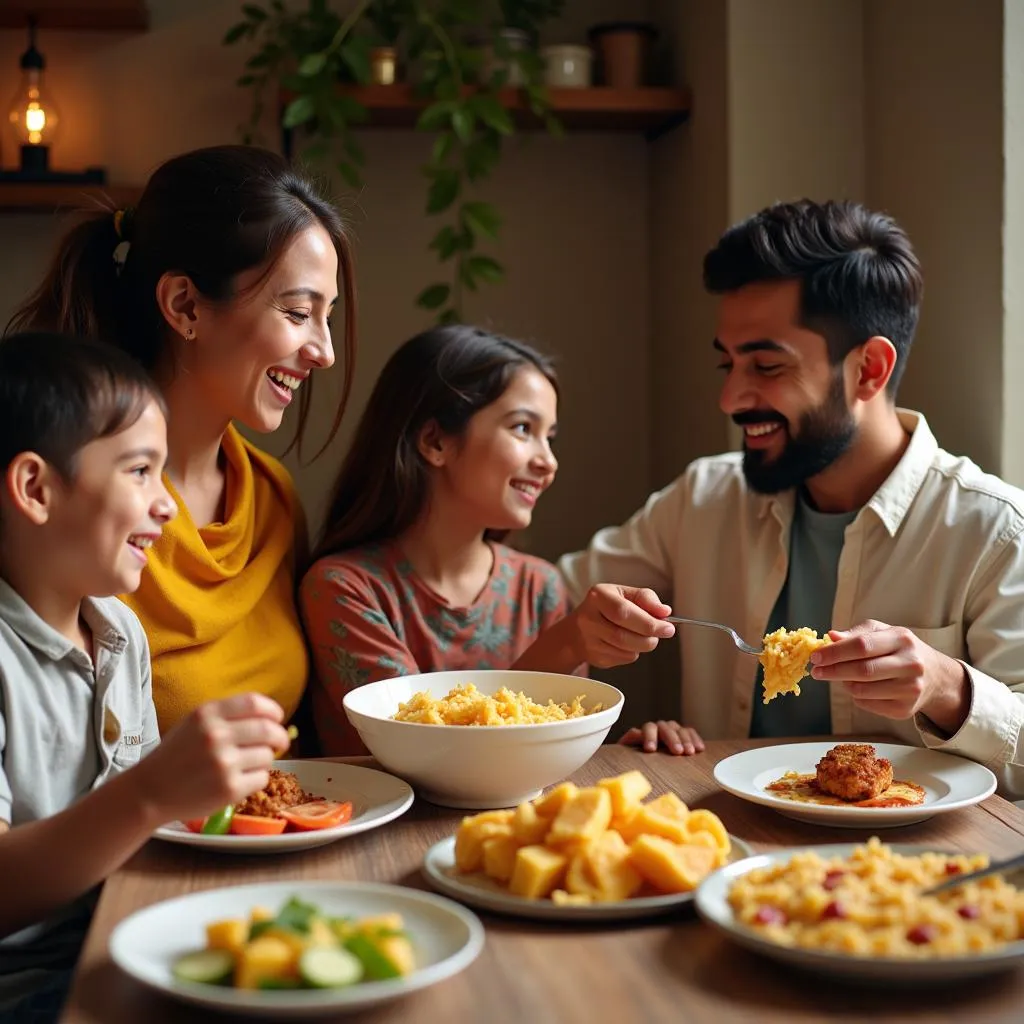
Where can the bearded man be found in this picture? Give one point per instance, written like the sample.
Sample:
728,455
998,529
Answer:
841,513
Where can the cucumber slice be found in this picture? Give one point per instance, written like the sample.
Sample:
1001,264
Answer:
329,967
206,966
375,963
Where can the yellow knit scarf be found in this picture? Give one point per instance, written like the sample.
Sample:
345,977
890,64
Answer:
218,602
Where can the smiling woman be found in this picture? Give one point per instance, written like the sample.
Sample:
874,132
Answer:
222,284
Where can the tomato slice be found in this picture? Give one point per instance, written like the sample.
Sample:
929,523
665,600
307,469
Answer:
195,824
256,825
318,814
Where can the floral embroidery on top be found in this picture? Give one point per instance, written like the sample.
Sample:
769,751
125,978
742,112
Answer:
369,617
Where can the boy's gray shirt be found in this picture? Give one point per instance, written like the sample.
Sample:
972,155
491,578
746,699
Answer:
67,724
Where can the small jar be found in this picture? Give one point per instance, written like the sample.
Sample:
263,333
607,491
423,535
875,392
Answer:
383,65
567,67
624,48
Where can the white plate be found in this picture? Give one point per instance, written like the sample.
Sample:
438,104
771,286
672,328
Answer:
949,783
376,798
484,893
446,938
713,905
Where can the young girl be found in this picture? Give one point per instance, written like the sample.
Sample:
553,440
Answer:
221,283
453,451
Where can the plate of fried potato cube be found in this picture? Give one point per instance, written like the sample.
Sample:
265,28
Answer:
593,853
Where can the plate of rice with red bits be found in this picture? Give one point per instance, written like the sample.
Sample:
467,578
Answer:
304,804
862,911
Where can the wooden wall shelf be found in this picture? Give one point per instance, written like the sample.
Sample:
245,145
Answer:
650,111
39,197
103,15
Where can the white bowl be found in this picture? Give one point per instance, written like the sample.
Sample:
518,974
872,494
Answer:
482,766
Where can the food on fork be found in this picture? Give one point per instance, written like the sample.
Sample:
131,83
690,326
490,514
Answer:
466,705
851,774
281,804
851,771
599,844
870,904
299,947
785,657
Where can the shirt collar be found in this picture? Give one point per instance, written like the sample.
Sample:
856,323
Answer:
38,633
892,500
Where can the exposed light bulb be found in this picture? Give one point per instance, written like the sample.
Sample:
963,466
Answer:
32,115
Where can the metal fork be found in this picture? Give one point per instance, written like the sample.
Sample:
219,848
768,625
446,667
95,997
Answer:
736,638
993,869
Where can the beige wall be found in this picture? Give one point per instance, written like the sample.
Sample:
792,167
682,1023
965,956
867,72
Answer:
934,136
688,209
795,109
1013,245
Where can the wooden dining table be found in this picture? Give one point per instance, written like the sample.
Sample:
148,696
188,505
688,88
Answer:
673,968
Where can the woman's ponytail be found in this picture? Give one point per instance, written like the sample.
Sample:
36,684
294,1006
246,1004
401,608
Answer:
79,295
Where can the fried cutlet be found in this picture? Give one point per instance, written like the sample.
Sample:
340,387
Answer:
851,771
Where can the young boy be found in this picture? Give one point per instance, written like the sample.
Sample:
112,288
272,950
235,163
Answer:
84,778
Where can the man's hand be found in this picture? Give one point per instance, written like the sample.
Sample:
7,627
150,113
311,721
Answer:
675,738
887,670
614,625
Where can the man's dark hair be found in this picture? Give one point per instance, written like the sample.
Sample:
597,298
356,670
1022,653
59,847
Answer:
859,276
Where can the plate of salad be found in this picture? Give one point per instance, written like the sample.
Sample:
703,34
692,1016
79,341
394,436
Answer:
290,950
305,804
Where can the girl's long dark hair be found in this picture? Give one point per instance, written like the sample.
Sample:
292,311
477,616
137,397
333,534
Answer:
444,375
209,214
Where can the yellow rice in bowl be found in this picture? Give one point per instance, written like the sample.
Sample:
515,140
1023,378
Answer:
466,705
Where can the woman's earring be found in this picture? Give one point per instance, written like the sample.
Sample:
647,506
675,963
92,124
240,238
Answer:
188,334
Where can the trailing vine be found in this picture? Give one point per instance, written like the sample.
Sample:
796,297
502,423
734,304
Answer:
307,53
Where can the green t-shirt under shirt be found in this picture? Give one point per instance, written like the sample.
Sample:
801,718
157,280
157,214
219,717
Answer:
815,544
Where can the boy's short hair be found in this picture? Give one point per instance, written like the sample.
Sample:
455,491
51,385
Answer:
59,393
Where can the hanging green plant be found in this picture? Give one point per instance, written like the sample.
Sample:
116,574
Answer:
307,53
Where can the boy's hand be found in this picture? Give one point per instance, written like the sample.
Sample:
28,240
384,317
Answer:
218,755
614,625
675,738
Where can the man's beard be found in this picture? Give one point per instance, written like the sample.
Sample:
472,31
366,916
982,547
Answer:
824,434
